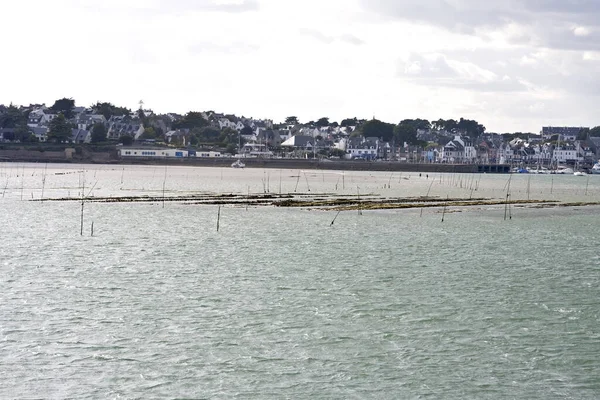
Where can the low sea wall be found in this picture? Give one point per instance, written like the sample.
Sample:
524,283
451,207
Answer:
342,165
276,163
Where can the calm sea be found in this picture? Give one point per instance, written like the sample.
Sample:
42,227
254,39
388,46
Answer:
280,304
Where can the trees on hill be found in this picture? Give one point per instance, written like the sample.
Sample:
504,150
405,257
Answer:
98,133
64,106
405,133
467,126
595,132
59,129
246,130
349,122
322,122
378,129
191,120
12,117
108,110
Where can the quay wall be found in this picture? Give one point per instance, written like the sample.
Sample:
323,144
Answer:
36,156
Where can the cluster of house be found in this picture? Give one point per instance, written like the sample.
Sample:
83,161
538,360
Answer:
537,150
440,146
262,138
83,119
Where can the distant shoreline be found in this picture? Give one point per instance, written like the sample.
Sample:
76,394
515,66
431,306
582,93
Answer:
225,162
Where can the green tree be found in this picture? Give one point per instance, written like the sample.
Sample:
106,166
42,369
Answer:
246,130
23,133
64,106
108,110
98,133
60,130
10,136
451,125
583,134
12,117
378,129
337,153
126,140
405,133
595,132
231,149
293,120
190,121
418,123
349,122
207,134
470,127
322,122
438,125
149,133
228,136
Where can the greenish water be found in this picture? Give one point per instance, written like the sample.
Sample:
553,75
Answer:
279,304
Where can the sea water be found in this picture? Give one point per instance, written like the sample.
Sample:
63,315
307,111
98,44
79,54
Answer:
280,303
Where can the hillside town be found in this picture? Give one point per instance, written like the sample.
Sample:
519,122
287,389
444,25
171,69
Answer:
211,134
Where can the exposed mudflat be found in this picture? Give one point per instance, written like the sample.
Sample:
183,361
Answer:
323,201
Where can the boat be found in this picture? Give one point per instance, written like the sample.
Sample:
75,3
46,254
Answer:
238,164
596,168
579,173
564,170
539,170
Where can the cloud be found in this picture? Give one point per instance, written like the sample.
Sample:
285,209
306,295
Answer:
166,7
436,69
318,35
348,38
582,31
329,39
564,24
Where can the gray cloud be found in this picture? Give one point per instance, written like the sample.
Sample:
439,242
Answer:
440,70
315,34
348,38
551,23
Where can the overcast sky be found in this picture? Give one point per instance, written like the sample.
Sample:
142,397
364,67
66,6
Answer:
513,65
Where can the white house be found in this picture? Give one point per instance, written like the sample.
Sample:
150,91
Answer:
459,151
563,155
360,147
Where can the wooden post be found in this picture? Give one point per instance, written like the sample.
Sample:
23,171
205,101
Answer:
336,215
218,218
444,210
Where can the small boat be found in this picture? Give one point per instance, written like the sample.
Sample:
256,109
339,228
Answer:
238,164
564,170
538,170
579,173
596,168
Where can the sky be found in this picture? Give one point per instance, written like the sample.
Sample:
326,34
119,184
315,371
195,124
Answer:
512,65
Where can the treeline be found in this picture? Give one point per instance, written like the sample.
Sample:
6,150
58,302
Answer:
403,132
